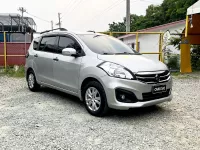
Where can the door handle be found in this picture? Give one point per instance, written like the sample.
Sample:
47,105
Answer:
36,55
56,59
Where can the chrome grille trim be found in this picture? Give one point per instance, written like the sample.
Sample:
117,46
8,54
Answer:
150,73
150,77
166,75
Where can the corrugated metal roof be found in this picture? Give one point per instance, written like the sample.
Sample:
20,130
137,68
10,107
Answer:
15,19
156,28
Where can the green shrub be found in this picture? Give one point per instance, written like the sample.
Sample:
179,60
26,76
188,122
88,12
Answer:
173,62
12,72
195,57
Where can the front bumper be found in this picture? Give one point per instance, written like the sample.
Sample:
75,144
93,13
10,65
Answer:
138,88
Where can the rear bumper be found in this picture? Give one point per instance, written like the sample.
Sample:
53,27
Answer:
138,88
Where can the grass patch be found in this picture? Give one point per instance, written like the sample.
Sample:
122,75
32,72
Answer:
175,73
18,72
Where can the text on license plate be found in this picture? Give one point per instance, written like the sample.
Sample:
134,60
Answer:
159,89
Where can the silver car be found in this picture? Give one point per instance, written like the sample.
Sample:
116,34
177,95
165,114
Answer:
99,69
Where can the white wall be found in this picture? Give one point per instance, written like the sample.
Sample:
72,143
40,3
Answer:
150,42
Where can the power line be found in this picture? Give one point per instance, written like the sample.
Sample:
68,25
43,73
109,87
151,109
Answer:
109,8
66,8
70,2
38,17
76,4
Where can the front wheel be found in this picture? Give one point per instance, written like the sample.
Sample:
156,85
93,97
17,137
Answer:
31,81
95,99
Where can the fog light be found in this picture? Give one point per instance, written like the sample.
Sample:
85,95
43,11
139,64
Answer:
123,97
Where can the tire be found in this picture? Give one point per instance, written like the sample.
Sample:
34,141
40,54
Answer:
93,92
31,81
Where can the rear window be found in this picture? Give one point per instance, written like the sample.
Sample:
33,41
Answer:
36,43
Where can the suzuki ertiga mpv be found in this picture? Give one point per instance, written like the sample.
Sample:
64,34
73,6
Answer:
99,69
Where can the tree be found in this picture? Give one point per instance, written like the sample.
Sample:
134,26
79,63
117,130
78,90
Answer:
168,11
119,27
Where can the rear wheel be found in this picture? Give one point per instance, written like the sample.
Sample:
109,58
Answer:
95,99
31,81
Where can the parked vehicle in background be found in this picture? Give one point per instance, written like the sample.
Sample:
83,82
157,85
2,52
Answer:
101,70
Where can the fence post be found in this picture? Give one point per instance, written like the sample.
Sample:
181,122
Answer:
186,26
111,34
5,51
161,45
137,47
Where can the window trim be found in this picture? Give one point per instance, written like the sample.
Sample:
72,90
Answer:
54,43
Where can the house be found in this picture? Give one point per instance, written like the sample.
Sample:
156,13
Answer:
150,42
15,27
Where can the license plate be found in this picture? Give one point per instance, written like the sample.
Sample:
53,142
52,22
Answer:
159,89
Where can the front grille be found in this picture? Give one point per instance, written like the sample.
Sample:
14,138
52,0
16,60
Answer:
153,77
151,96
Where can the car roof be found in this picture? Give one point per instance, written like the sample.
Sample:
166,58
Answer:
71,32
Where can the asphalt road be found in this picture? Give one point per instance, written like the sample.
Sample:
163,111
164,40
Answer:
50,119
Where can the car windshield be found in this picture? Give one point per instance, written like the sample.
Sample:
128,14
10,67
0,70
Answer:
106,45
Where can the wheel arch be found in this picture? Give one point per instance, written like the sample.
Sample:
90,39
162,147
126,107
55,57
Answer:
86,81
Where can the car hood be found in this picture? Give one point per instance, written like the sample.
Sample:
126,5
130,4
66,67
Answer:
135,63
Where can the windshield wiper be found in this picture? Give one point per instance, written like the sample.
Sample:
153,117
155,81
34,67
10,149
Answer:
97,36
109,53
124,53
127,53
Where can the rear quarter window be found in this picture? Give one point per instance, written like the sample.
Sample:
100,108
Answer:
36,43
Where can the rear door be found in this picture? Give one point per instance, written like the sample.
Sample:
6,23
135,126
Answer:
44,59
66,69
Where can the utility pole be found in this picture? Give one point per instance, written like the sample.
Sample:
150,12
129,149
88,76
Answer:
22,10
128,17
52,24
59,20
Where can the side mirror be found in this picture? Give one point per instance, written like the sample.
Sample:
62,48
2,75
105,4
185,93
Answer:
69,52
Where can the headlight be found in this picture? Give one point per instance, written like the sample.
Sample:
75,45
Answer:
115,70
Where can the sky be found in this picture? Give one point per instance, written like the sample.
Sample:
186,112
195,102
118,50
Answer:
78,15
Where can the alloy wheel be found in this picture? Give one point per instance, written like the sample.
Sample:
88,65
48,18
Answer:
93,99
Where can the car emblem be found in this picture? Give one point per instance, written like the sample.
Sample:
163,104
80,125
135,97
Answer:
157,77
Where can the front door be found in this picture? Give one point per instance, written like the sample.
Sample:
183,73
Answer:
66,69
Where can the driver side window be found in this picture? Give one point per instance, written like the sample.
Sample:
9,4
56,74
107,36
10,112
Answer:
66,42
